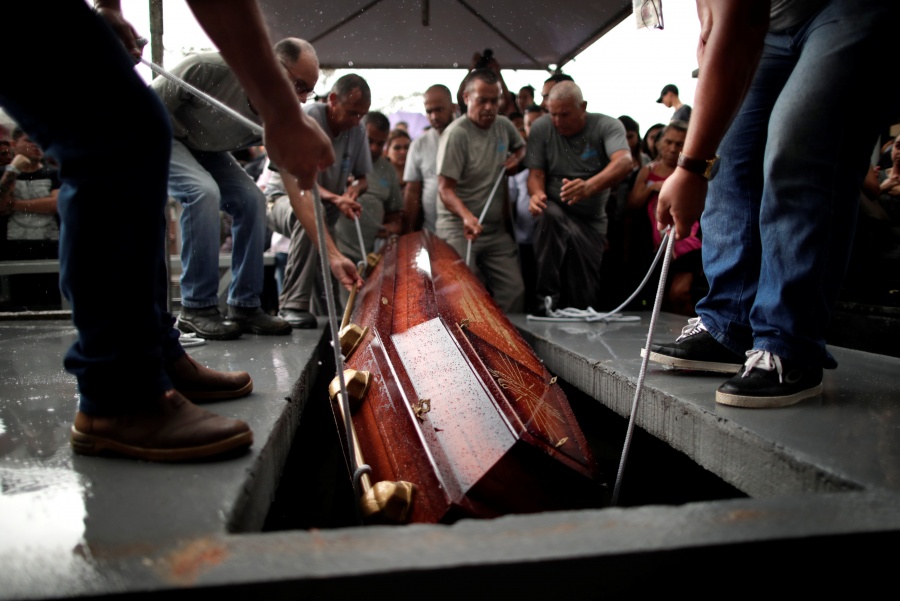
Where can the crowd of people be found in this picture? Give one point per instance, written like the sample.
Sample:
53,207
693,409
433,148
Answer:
552,206
557,177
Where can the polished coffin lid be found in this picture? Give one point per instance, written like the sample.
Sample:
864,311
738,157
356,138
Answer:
458,403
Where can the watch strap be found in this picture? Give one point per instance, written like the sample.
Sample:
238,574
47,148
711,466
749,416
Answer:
702,167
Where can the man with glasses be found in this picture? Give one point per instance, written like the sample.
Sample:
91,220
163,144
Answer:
205,178
339,187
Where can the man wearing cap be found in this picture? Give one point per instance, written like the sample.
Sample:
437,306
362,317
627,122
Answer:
669,97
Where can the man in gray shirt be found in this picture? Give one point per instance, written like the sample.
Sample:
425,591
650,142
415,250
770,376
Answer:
382,204
420,174
340,119
206,178
574,158
474,152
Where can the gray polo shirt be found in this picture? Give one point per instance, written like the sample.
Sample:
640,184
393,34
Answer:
473,157
581,156
381,197
421,166
196,123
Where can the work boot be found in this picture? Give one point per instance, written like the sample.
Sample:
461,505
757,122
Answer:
169,429
254,320
207,323
199,383
302,320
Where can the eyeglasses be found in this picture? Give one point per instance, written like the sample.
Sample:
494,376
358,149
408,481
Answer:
301,88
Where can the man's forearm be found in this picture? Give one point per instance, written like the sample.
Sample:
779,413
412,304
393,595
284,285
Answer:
250,54
360,185
447,193
731,42
302,204
537,182
412,205
7,184
617,170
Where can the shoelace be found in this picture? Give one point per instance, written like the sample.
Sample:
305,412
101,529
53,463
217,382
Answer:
757,359
694,326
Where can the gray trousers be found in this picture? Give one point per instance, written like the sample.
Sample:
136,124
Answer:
302,273
495,262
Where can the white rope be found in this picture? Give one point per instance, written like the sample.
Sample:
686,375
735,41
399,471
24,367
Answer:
484,212
589,314
362,244
640,381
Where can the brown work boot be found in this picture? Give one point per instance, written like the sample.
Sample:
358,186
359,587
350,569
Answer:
169,429
202,384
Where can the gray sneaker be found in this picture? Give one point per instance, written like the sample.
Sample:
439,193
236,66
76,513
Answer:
207,323
254,320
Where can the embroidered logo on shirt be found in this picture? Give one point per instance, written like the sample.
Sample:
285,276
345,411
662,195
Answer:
589,153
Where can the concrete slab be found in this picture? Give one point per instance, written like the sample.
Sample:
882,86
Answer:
78,526
51,500
849,439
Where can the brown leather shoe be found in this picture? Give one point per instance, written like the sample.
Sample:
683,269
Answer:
170,429
202,384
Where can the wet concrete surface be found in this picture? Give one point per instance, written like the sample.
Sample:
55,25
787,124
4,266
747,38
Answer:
846,439
61,510
73,526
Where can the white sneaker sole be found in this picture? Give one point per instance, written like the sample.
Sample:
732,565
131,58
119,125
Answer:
678,363
770,402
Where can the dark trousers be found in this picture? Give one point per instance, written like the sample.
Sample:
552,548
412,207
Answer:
568,254
112,139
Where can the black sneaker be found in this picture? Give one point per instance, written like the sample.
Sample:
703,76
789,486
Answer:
207,323
254,320
769,381
302,320
696,349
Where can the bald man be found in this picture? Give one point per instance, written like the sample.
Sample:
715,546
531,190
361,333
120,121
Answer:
574,158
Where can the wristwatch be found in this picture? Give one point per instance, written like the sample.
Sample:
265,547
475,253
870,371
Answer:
702,167
14,169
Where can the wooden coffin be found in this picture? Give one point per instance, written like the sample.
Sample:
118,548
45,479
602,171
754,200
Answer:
458,404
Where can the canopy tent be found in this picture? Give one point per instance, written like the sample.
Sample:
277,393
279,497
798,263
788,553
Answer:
445,34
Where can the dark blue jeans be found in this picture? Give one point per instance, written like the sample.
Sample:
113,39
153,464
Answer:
780,214
112,139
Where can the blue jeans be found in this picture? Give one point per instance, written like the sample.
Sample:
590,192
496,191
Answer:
781,212
205,183
113,166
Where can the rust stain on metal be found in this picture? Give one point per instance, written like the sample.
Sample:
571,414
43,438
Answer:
187,563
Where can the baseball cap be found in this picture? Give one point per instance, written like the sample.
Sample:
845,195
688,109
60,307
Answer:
669,88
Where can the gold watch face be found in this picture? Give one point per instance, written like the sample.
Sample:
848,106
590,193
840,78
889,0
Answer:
711,167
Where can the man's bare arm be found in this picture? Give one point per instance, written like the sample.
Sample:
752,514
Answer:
447,191
731,42
576,190
412,206
302,204
537,191
293,140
